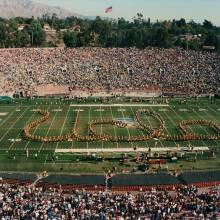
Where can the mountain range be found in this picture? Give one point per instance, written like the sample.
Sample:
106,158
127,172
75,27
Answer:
29,8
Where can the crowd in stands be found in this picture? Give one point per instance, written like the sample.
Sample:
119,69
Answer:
30,202
109,69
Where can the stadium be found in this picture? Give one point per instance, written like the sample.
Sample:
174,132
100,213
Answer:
107,118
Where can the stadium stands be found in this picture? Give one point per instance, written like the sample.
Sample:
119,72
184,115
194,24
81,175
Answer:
30,202
172,71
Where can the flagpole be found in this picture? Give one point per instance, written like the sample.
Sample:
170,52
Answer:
107,11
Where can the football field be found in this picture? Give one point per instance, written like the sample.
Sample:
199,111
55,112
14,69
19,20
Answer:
63,115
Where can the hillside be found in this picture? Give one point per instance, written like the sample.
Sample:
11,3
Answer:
28,8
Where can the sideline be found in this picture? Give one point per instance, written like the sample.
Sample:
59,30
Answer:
129,150
112,105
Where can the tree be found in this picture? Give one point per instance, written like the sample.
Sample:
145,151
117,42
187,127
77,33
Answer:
210,39
70,39
207,24
83,39
3,34
37,33
105,33
181,22
161,38
217,44
103,29
138,20
22,39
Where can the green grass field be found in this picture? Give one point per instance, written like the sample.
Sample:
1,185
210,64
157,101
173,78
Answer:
16,115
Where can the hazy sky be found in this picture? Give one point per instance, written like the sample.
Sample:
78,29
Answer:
197,10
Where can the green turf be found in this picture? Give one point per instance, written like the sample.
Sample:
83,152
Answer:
15,115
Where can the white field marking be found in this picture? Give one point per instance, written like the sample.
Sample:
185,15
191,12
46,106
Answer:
204,128
3,113
170,118
15,140
48,131
62,128
183,110
215,111
87,144
30,118
18,110
101,125
127,129
78,110
130,150
188,127
140,129
113,126
152,127
210,115
121,110
8,116
120,105
99,110
14,123
35,110
203,110
76,120
35,129
163,110
69,150
46,159
57,110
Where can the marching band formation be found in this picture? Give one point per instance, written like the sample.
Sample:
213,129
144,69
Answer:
150,132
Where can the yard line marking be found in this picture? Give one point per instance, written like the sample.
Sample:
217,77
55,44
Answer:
174,125
114,126
189,127
152,127
35,129
213,118
75,125
146,144
46,159
48,130
201,127
62,128
101,125
214,111
129,135
8,116
87,144
30,118
14,124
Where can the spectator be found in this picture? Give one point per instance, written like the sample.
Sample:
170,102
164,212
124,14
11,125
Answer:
109,69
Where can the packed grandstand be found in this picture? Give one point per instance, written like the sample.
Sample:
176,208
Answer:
38,203
63,71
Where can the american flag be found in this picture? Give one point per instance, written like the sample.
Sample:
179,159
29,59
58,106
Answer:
108,10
